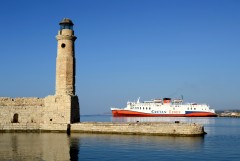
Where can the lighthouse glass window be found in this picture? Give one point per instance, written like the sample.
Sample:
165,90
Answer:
66,26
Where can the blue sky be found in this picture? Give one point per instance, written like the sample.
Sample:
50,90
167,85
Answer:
125,49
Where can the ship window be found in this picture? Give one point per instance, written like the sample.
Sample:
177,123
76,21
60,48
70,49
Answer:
140,108
149,108
143,108
194,108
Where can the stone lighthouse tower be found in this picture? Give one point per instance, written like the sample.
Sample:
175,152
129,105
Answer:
64,105
65,72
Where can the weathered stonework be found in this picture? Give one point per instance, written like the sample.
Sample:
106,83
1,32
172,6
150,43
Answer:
6,101
148,128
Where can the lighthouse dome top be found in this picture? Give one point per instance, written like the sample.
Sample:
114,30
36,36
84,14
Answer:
66,23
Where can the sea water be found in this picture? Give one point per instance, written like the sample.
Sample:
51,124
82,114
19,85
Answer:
222,142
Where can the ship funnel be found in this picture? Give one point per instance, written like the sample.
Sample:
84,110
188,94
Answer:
166,100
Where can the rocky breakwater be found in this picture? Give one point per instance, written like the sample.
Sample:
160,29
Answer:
140,128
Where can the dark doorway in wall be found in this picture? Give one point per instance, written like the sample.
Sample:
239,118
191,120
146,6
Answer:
15,118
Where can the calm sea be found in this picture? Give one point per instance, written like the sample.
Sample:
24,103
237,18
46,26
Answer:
221,143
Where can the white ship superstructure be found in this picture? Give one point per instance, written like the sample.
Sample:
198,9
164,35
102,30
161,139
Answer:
164,107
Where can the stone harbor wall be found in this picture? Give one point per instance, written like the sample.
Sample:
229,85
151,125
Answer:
147,128
24,110
49,113
33,127
152,128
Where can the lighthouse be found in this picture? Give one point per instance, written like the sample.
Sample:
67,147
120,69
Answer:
65,100
65,65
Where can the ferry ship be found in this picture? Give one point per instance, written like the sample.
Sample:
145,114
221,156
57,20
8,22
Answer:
165,107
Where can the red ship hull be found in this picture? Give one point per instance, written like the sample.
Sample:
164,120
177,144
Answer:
119,113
